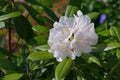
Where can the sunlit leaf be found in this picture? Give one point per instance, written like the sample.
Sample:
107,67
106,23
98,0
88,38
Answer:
118,53
93,15
112,46
40,55
94,60
15,76
41,29
114,31
43,47
105,33
10,15
71,10
63,68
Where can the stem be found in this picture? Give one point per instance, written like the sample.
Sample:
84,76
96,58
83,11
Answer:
10,49
116,65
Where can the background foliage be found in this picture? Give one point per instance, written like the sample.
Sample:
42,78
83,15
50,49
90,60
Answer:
29,22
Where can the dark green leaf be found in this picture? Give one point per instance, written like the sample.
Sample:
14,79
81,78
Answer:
63,68
33,2
6,64
50,13
6,53
15,76
23,28
37,16
40,55
10,15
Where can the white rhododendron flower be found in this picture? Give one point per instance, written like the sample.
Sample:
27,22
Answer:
72,36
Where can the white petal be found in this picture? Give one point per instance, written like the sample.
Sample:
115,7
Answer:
79,13
81,32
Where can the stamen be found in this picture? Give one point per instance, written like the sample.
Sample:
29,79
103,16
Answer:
72,37
72,49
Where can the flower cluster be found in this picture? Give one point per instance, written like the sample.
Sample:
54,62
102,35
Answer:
72,36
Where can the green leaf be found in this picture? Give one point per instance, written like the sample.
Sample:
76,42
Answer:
41,39
50,13
6,53
112,45
15,76
115,32
43,47
93,15
35,2
23,28
40,55
2,24
118,53
36,16
94,60
63,68
6,64
10,15
71,10
99,48
105,33
41,29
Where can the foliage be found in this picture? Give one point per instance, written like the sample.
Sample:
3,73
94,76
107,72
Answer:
33,61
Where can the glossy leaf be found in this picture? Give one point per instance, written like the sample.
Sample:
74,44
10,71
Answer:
41,29
23,28
63,68
15,76
40,55
94,60
71,10
112,45
93,15
10,15
114,31
43,47
105,33
118,53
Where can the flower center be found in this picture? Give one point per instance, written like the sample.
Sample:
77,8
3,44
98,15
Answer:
72,37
